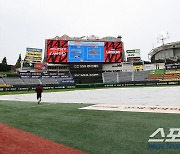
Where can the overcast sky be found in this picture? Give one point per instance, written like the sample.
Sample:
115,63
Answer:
27,23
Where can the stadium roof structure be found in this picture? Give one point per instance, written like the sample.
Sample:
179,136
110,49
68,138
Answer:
88,38
172,45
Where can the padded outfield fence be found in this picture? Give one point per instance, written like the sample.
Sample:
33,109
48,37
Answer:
91,85
32,87
129,83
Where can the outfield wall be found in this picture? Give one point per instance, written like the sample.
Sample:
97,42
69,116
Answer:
90,85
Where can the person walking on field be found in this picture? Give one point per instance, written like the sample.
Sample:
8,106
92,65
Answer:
39,90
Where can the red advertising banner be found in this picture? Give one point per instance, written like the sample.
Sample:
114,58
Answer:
57,51
40,66
113,52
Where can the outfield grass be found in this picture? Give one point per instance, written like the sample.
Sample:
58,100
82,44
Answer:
96,132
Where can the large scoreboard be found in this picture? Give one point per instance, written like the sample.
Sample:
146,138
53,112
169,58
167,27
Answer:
85,51
63,51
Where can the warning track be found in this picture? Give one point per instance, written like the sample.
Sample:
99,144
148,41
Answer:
15,141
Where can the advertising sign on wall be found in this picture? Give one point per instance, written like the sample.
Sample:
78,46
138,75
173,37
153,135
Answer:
40,66
138,67
33,55
85,66
57,51
113,52
86,74
79,51
133,53
172,67
44,75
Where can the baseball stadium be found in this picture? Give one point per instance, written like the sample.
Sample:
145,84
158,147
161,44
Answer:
97,98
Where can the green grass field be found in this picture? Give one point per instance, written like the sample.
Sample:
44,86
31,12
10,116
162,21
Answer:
95,132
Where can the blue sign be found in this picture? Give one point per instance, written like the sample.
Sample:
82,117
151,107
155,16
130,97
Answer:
33,50
79,51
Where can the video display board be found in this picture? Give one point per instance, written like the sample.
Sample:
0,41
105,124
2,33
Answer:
79,51
61,51
113,52
57,51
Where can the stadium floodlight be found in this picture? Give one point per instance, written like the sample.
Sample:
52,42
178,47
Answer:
163,36
22,62
132,72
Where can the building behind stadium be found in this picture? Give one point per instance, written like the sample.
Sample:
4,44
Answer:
168,51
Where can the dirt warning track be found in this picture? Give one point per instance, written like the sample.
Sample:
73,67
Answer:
15,141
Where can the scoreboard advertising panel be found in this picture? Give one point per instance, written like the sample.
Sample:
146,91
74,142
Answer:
57,51
60,51
113,52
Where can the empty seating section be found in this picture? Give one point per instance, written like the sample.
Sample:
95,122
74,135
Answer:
155,77
38,78
2,82
124,76
31,81
35,81
46,81
110,77
129,76
141,76
156,74
13,81
171,76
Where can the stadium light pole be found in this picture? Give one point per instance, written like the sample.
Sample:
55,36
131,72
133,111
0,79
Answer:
132,72
22,61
